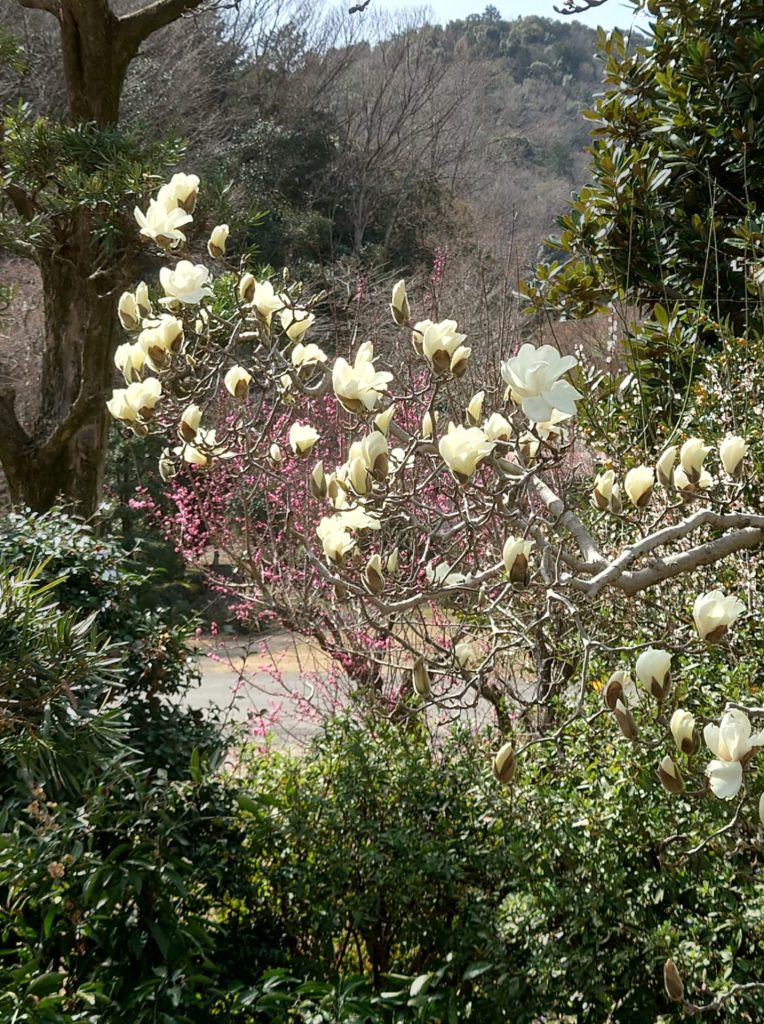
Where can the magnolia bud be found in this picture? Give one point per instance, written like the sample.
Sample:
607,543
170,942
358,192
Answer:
392,562
504,764
189,423
761,810
638,485
275,454
603,488
421,677
670,776
459,361
127,310
382,420
732,451
237,382
664,468
428,426
374,453
691,456
626,722
515,557
358,475
217,243
167,468
247,286
142,300
399,305
612,691
672,982
653,670
683,730
318,481
475,408
373,575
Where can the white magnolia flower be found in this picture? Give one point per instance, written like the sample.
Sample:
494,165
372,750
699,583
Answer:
144,395
335,541
732,451
334,531
533,379
440,343
137,401
296,322
682,727
714,613
130,360
443,575
399,305
307,355
463,448
527,444
266,301
217,241
497,428
665,465
161,340
515,555
467,655
302,437
691,456
187,283
638,485
189,422
360,386
237,381
732,742
203,449
689,487
162,226
653,670
180,191
550,430
120,408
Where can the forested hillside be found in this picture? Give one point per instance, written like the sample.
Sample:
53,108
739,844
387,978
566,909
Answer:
329,135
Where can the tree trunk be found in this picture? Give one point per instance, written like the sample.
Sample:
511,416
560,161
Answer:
63,458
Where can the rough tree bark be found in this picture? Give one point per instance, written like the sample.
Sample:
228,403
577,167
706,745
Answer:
62,456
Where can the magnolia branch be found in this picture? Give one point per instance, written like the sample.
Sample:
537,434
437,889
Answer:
704,554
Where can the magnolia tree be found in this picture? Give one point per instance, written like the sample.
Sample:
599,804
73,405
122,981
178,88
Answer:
447,546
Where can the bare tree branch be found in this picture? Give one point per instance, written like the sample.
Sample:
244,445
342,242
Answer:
51,6
139,25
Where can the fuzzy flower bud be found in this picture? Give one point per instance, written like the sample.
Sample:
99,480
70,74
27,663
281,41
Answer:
217,241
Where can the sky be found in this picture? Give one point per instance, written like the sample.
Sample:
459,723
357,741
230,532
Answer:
614,13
